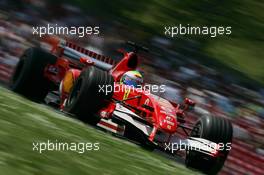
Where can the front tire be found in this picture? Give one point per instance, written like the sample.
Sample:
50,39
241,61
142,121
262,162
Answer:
86,96
217,130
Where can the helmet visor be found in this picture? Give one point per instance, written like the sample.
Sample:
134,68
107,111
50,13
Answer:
132,82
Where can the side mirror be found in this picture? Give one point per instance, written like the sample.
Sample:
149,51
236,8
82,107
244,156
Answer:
122,51
189,104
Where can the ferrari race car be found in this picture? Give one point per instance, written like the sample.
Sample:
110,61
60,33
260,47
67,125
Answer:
87,87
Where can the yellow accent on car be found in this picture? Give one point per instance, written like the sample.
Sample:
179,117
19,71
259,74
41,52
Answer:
68,82
126,94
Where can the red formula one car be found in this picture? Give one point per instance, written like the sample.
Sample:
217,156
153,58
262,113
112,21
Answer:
88,87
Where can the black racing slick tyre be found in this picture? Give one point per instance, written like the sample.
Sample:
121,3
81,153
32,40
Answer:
89,94
218,130
28,78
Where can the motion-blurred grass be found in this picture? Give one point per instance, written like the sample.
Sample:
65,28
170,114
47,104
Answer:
240,54
23,122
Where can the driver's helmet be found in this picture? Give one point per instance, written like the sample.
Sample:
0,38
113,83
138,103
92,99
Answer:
132,78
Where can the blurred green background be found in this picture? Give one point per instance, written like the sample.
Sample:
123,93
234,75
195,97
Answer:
239,54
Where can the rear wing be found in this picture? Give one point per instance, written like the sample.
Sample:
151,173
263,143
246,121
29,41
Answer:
74,52
90,53
79,55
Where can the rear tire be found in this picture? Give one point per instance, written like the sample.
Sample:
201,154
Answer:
215,129
28,78
86,97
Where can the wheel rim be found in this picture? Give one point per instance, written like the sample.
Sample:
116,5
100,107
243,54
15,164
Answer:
197,130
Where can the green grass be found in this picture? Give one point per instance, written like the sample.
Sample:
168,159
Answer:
23,122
